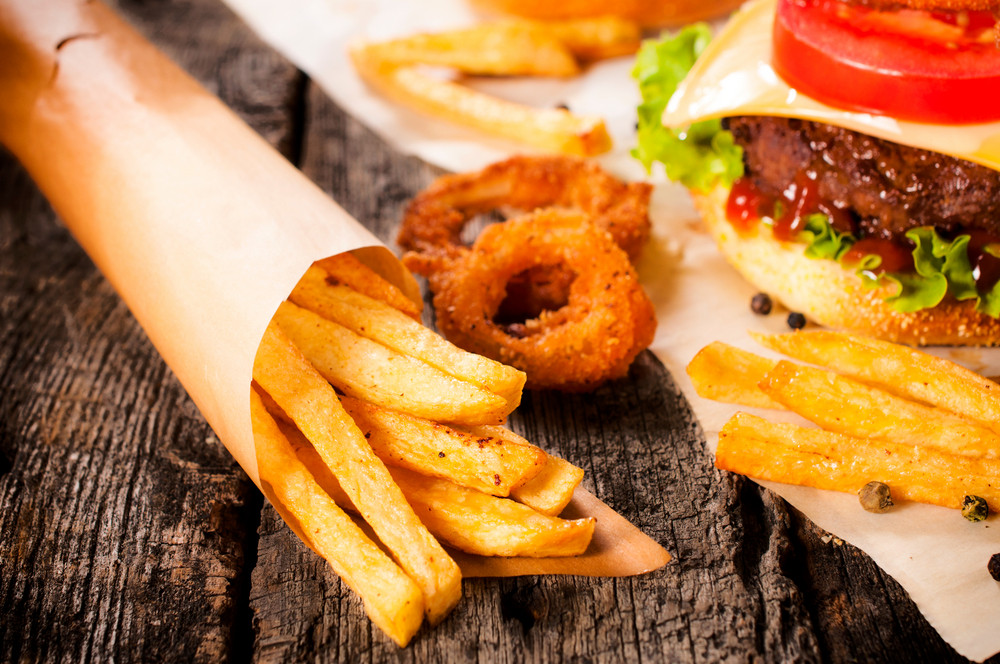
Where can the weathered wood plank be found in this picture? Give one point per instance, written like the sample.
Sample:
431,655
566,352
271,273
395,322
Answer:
127,533
123,521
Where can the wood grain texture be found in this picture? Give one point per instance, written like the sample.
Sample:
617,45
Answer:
127,533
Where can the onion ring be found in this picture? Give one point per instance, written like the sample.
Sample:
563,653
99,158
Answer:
607,321
435,218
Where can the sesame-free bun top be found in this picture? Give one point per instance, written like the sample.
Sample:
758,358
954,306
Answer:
832,296
648,13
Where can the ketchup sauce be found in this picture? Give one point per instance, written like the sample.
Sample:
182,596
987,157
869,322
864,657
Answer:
747,206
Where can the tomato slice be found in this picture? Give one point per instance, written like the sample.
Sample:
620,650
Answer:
912,65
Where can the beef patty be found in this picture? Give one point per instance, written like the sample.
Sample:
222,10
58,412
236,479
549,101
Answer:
890,188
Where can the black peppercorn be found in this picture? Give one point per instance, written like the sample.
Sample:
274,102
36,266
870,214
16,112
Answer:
975,508
796,321
761,304
994,566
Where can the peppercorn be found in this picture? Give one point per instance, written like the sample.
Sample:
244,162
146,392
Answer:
994,566
875,497
761,304
796,321
975,508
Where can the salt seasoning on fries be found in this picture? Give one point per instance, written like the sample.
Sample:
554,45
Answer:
922,425
358,407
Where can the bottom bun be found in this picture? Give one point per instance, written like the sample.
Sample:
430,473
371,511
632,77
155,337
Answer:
831,296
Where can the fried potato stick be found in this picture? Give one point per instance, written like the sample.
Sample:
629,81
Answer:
899,369
311,403
487,463
367,370
791,454
511,48
595,38
377,321
392,600
485,525
548,492
549,129
844,405
345,269
732,375
467,519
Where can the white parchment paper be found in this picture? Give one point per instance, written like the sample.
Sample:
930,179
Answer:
937,556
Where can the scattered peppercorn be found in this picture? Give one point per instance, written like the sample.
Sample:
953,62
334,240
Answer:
994,566
761,304
562,106
875,497
975,508
796,321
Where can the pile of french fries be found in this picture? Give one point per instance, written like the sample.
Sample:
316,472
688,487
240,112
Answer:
358,408
925,426
511,48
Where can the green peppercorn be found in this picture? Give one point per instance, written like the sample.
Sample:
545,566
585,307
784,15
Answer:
994,566
975,508
875,497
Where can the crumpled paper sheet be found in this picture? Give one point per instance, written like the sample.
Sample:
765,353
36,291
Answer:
937,556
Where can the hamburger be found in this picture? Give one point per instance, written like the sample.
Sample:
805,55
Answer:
845,157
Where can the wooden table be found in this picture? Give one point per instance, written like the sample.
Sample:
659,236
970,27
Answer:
127,532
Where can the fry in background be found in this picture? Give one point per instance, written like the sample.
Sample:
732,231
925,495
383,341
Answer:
513,48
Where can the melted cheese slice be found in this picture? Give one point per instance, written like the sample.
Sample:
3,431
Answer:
734,76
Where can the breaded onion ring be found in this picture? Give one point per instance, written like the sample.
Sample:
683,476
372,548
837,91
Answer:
606,322
434,219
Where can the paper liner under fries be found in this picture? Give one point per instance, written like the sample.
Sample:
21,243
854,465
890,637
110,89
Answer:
197,222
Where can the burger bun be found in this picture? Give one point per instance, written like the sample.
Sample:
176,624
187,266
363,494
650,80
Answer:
835,297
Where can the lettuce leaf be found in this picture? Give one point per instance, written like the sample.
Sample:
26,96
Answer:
941,267
699,156
823,240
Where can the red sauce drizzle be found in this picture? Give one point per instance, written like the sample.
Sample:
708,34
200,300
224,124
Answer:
985,266
895,256
747,206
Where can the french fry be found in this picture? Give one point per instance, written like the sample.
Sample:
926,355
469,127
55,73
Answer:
732,375
552,129
467,519
844,405
367,370
392,600
595,38
486,525
550,491
514,48
312,404
347,270
899,369
377,321
486,463
791,454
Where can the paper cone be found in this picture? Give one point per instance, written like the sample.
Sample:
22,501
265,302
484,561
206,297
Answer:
198,223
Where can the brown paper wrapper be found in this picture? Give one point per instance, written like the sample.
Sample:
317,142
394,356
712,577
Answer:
197,222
